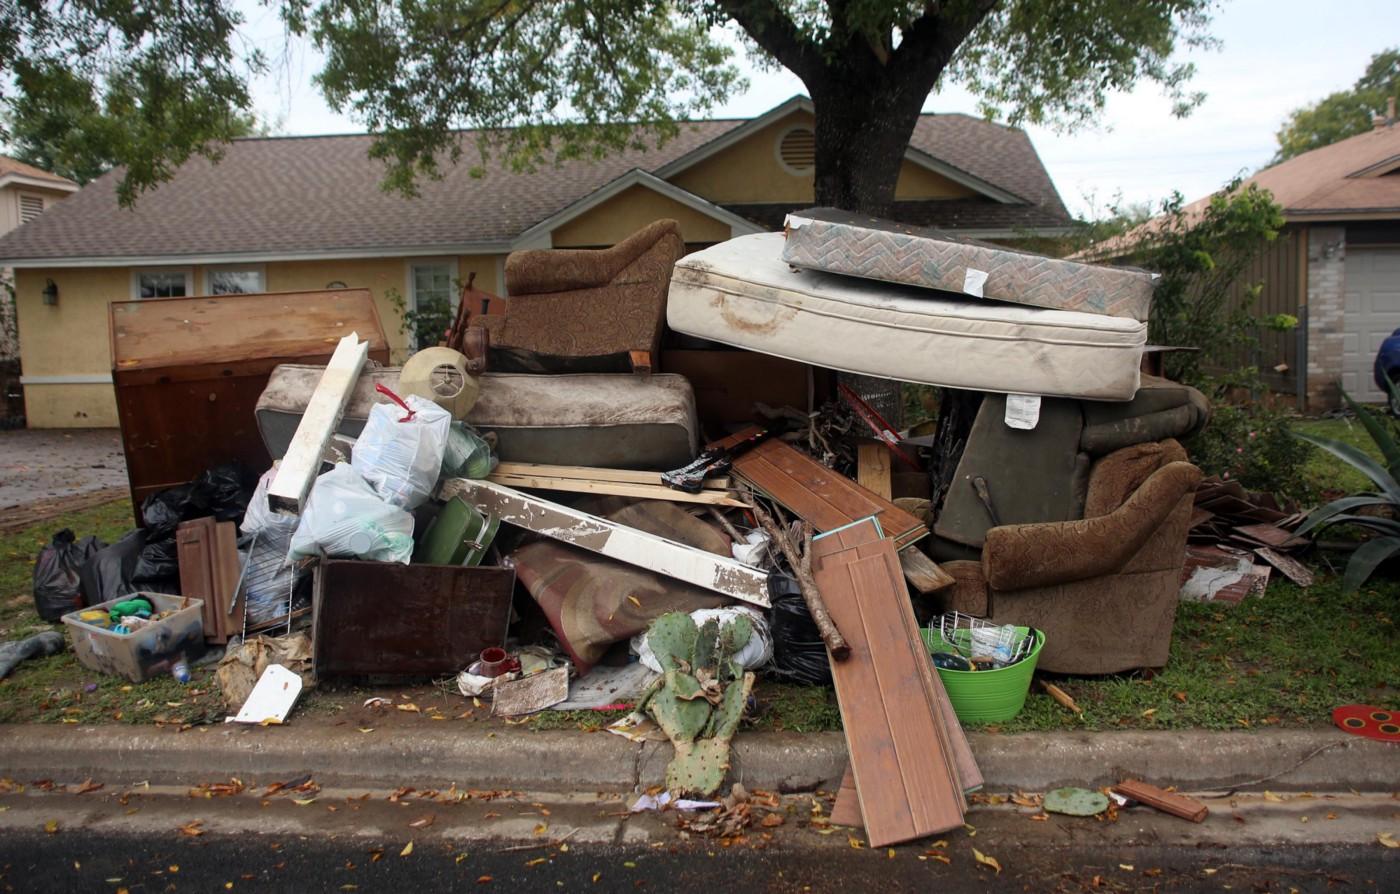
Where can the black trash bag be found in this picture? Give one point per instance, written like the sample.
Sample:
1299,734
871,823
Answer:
223,492
108,574
158,561
799,653
163,511
56,590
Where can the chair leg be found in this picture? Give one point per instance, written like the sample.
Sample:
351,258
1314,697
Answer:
641,362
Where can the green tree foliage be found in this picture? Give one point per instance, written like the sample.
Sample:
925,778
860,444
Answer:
541,81
171,72
1201,251
1345,113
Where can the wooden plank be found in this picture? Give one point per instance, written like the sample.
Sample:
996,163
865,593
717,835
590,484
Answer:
873,468
1168,802
1290,567
922,573
228,602
592,473
302,462
720,574
618,489
194,547
819,495
905,780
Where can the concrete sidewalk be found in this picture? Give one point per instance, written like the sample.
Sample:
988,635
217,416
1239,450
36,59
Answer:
571,762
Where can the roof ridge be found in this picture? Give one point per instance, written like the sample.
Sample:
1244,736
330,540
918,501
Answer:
253,138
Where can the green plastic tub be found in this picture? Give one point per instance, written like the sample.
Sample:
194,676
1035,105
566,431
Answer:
986,696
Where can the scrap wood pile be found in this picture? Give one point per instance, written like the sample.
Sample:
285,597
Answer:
540,511
1237,539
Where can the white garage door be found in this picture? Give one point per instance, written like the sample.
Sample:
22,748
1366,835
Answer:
1372,313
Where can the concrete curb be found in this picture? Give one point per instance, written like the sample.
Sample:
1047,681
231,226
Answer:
565,761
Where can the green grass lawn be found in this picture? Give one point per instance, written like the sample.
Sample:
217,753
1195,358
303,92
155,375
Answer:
1285,659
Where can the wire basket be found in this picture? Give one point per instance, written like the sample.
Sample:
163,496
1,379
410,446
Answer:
972,638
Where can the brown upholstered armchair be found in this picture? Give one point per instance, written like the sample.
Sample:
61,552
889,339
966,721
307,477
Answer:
1103,588
585,310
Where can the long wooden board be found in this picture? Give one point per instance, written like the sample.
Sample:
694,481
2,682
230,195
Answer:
617,482
906,777
720,574
819,495
302,461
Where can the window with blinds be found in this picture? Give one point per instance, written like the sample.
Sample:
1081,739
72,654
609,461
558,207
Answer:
30,207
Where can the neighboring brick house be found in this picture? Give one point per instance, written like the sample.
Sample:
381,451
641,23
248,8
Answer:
289,213
1335,266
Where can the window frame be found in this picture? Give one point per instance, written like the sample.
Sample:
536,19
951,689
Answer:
452,262
136,272
259,269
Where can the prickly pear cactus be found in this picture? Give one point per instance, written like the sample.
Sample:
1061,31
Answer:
672,639
699,700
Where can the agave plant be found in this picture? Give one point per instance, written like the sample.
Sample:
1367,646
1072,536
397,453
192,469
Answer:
1385,524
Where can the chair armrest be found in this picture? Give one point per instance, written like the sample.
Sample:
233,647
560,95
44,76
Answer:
1016,557
539,271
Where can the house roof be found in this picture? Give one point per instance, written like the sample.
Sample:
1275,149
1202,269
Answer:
13,168
291,197
1354,179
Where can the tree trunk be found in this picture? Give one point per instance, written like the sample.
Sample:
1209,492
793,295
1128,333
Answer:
862,132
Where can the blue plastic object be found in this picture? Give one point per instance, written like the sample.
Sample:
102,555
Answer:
1388,362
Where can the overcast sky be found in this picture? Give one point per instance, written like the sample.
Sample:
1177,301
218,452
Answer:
1276,55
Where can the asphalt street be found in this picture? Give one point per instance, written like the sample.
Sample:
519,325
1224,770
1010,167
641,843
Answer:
39,862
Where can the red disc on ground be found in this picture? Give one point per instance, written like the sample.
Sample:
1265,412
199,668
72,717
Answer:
1368,721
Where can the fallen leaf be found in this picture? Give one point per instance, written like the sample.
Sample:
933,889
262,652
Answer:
596,876
174,867
407,849
773,819
540,829
302,802
366,729
422,823
986,860
890,853
629,864
1040,817
461,857
51,827
483,880
537,861
408,706
1270,796
88,786
940,858
1126,867
856,843
1387,839
192,828
1149,712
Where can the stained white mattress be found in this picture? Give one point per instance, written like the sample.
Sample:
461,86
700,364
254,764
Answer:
741,293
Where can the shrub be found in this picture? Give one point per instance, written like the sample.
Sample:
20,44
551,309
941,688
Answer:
1253,445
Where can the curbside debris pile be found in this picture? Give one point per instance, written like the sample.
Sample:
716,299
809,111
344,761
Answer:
695,459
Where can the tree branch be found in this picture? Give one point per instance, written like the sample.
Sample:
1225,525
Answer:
930,42
773,30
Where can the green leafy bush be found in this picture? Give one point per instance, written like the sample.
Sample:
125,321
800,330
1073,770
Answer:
1253,445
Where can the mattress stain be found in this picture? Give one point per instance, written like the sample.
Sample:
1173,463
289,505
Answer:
739,323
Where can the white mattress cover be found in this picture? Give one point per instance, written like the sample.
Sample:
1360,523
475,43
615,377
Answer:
741,293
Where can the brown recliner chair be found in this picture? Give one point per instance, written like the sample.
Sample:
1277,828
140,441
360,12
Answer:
585,310
1102,588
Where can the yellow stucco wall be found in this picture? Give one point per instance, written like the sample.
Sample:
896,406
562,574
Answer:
71,339
751,172
630,210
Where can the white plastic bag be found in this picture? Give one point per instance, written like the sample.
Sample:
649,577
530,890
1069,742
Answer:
400,452
756,653
260,519
345,518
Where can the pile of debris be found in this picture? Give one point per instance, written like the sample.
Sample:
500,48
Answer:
644,478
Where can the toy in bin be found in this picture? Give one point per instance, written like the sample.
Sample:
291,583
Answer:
140,636
986,668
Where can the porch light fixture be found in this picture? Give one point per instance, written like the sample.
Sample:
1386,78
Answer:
50,293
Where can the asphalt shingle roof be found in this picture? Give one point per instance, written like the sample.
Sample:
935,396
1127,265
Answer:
307,195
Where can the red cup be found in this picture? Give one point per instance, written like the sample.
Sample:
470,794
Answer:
496,661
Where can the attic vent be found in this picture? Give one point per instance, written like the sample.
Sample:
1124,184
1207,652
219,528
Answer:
798,150
30,207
